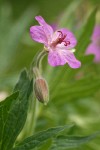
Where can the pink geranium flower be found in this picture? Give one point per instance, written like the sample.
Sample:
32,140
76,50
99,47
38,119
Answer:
59,44
94,47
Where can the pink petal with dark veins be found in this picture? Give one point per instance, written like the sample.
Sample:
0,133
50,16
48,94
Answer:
60,57
37,34
46,27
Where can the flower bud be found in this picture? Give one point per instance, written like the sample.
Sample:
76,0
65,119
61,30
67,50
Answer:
41,90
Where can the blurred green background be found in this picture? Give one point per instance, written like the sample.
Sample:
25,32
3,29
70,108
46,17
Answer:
74,94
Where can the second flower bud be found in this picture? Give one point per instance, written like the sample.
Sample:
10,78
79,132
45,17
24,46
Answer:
41,90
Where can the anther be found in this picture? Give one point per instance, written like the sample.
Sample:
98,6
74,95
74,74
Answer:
67,43
62,37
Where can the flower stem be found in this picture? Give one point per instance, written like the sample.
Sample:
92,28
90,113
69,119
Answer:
34,108
39,58
37,61
34,115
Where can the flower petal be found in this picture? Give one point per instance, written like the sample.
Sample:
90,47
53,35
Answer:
71,60
94,49
60,57
46,27
37,34
55,58
69,37
96,33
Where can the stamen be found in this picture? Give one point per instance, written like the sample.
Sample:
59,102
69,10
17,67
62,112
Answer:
61,39
61,34
67,43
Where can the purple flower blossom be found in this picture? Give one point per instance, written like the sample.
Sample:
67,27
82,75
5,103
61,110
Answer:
59,44
94,47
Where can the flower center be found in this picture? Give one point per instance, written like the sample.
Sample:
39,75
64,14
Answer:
60,39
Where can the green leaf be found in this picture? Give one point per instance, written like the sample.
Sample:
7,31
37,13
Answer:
66,142
5,106
40,138
82,88
22,83
85,37
17,113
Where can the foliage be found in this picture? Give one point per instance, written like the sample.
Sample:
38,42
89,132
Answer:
74,94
